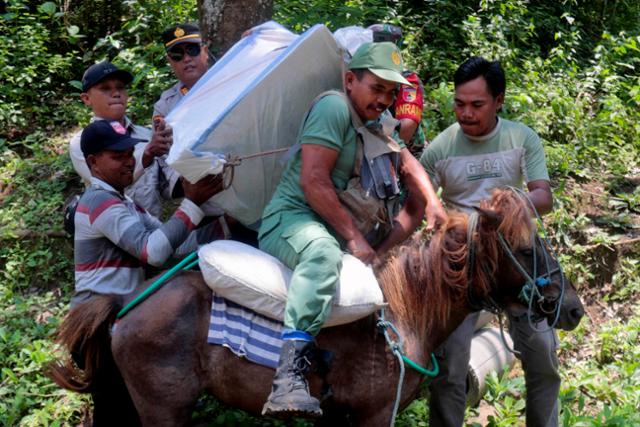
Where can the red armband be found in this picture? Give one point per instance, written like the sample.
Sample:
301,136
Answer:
410,99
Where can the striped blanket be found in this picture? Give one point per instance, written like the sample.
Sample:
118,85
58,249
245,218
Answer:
244,332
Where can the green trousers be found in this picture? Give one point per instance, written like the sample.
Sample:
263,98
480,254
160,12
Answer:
306,246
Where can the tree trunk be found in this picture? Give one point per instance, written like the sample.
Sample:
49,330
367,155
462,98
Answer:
223,21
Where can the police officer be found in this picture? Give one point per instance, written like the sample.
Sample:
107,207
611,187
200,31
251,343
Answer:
189,60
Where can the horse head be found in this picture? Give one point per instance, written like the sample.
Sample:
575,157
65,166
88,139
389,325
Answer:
521,272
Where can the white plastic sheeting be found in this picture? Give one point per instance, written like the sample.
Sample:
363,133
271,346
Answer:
252,101
350,38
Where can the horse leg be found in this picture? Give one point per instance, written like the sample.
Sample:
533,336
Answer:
381,417
333,415
164,389
163,384
112,403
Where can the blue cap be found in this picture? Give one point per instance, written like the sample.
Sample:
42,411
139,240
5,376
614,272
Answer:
100,71
105,135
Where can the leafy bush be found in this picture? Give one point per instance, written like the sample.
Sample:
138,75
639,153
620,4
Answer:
37,59
137,47
300,15
35,280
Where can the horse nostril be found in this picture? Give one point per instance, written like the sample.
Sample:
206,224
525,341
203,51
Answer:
577,313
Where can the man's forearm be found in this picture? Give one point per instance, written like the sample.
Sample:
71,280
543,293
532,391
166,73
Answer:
541,200
404,224
416,179
407,129
540,195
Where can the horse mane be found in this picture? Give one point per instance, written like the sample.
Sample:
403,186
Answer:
423,277
516,225
424,280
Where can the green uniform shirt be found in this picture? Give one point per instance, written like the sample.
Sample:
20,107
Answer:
328,125
469,168
294,233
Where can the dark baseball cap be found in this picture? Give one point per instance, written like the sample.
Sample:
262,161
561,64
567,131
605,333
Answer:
181,33
105,135
102,70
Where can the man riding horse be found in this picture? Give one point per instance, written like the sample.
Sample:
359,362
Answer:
339,191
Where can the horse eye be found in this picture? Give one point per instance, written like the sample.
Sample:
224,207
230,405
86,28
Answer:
526,252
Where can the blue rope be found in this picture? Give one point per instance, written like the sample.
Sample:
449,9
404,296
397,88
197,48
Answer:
396,349
538,282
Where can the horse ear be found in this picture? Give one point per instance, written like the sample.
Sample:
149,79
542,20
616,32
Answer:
489,219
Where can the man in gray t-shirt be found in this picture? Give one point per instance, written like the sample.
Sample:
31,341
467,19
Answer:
468,160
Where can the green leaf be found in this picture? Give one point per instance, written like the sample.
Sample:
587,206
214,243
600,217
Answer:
76,83
49,8
73,30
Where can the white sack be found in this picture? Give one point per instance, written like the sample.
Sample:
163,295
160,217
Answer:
252,100
258,281
350,38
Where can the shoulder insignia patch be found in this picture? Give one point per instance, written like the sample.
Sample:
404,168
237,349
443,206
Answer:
409,94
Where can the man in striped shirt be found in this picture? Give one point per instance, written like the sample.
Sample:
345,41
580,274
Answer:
114,237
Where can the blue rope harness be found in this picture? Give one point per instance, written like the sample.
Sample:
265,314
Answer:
397,348
532,289
531,292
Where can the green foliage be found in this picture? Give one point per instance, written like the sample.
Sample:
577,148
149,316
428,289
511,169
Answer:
90,20
415,415
626,281
212,413
35,279
25,349
137,47
36,61
300,15
36,189
607,386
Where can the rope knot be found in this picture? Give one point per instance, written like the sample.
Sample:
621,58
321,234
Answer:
383,325
542,281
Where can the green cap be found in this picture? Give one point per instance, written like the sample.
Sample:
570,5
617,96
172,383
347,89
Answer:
383,59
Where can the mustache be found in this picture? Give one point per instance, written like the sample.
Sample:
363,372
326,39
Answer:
379,106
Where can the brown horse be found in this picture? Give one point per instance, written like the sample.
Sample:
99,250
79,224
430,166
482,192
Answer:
161,347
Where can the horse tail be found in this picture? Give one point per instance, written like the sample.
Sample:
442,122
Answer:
86,334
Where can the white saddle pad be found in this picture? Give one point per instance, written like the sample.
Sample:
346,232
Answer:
259,281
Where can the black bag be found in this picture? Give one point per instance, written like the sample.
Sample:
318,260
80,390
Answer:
69,208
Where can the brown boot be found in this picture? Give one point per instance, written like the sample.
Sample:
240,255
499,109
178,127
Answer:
290,391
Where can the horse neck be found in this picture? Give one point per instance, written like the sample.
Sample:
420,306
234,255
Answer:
425,287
